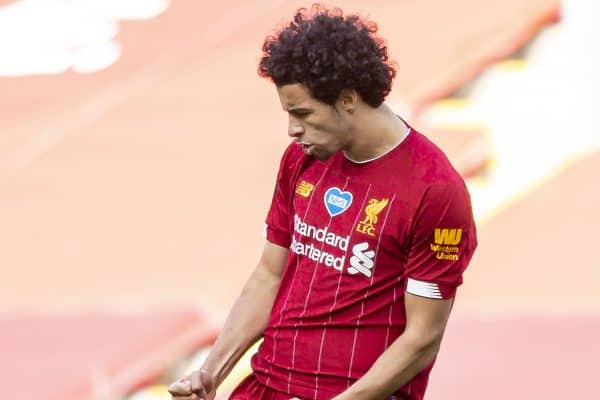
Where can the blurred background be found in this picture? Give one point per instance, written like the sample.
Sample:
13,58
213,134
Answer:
138,152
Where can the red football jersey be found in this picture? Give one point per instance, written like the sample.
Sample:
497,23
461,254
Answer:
360,235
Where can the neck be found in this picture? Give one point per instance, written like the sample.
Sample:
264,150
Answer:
377,132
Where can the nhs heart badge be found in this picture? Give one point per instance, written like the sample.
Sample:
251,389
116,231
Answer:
337,201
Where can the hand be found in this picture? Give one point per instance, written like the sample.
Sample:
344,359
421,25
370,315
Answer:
199,385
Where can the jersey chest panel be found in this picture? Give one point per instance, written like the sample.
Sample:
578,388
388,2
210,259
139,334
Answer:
349,225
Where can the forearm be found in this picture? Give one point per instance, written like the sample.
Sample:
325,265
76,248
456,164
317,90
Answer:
244,325
395,367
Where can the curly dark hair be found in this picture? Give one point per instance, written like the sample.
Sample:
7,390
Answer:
327,53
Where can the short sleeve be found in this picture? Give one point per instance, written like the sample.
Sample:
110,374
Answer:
442,242
278,228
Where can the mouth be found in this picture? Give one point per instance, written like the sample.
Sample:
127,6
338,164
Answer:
306,147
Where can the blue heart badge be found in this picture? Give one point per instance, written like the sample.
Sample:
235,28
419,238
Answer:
337,201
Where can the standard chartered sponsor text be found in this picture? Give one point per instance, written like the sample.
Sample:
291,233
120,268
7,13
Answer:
321,235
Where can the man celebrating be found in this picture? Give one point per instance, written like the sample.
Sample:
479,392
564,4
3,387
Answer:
368,234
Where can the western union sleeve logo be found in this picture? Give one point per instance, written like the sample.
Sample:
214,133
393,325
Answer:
304,188
372,210
449,237
446,242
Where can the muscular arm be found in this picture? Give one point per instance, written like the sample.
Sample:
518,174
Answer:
249,315
409,353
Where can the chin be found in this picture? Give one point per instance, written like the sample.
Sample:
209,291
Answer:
323,156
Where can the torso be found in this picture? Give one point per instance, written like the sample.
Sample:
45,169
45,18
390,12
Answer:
350,232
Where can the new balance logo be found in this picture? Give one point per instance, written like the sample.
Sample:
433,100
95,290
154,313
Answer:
450,237
362,260
304,188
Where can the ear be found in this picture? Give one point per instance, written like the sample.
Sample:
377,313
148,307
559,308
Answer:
347,101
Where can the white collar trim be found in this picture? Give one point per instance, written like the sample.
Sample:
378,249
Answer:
381,155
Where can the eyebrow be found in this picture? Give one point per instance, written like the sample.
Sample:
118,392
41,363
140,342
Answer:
298,110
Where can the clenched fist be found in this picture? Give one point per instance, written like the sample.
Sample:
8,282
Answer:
199,385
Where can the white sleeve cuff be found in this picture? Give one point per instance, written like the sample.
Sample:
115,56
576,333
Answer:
424,289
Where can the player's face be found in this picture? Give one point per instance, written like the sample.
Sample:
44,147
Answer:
321,129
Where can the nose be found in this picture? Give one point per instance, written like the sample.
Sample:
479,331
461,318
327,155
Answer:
295,129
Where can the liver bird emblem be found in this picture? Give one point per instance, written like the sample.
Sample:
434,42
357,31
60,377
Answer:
372,210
